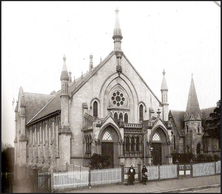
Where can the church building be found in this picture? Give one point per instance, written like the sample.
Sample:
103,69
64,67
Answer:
109,110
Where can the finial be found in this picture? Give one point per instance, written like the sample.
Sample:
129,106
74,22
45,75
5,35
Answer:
117,10
64,58
100,59
191,74
164,72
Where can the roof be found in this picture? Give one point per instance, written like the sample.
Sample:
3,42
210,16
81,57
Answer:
164,83
55,105
206,113
192,103
34,102
51,106
178,118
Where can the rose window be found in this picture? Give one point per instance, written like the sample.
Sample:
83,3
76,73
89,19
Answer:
118,98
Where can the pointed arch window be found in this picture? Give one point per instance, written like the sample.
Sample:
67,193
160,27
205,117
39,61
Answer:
156,137
107,136
126,118
115,116
137,144
121,116
95,109
127,144
141,112
132,144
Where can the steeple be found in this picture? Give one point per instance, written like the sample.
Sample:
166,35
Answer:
193,109
64,74
164,95
117,34
164,84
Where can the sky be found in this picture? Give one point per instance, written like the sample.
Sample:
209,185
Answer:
181,37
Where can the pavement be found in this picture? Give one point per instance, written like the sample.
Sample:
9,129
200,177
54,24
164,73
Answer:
162,186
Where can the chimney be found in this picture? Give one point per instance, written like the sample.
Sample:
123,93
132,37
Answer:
90,62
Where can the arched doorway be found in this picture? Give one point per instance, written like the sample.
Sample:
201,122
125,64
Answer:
110,145
198,148
160,147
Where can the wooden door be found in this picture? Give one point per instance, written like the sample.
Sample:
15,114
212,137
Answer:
157,154
107,149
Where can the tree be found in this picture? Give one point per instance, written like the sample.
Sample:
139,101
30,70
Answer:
215,125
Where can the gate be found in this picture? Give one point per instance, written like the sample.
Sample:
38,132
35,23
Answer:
184,170
44,182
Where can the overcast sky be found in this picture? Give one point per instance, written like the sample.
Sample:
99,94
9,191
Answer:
182,37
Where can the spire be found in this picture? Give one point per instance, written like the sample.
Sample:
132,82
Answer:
64,74
117,34
164,84
193,109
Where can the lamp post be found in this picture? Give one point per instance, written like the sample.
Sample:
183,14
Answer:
151,151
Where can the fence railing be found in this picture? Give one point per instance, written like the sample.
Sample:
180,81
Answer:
105,176
153,172
71,179
203,169
168,171
89,177
218,167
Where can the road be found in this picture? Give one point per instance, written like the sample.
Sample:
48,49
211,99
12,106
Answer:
208,190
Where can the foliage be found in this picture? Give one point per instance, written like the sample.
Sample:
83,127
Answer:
182,157
8,160
98,161
214,123
216,158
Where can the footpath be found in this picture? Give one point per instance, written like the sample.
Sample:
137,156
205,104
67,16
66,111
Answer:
162,186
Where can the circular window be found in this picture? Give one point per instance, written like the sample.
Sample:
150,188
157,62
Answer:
118,98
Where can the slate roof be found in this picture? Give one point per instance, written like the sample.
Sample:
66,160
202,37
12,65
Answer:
178,118
34,102
206,113
54,104
192,102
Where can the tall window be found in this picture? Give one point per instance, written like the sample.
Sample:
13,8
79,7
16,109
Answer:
121,116
95,109
132,144
198,129
198,148
115,116
88,144
126,118
187,128
174,142
127,144
141,112
137,144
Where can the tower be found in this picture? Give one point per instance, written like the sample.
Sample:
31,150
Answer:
192,118
64,132
117,37
164,97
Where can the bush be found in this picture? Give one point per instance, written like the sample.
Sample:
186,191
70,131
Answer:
201,158
216,158
182,157
98,161
209,158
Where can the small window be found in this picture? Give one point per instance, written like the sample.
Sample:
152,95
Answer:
107,136
156,137
141,112
126,118
95,109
